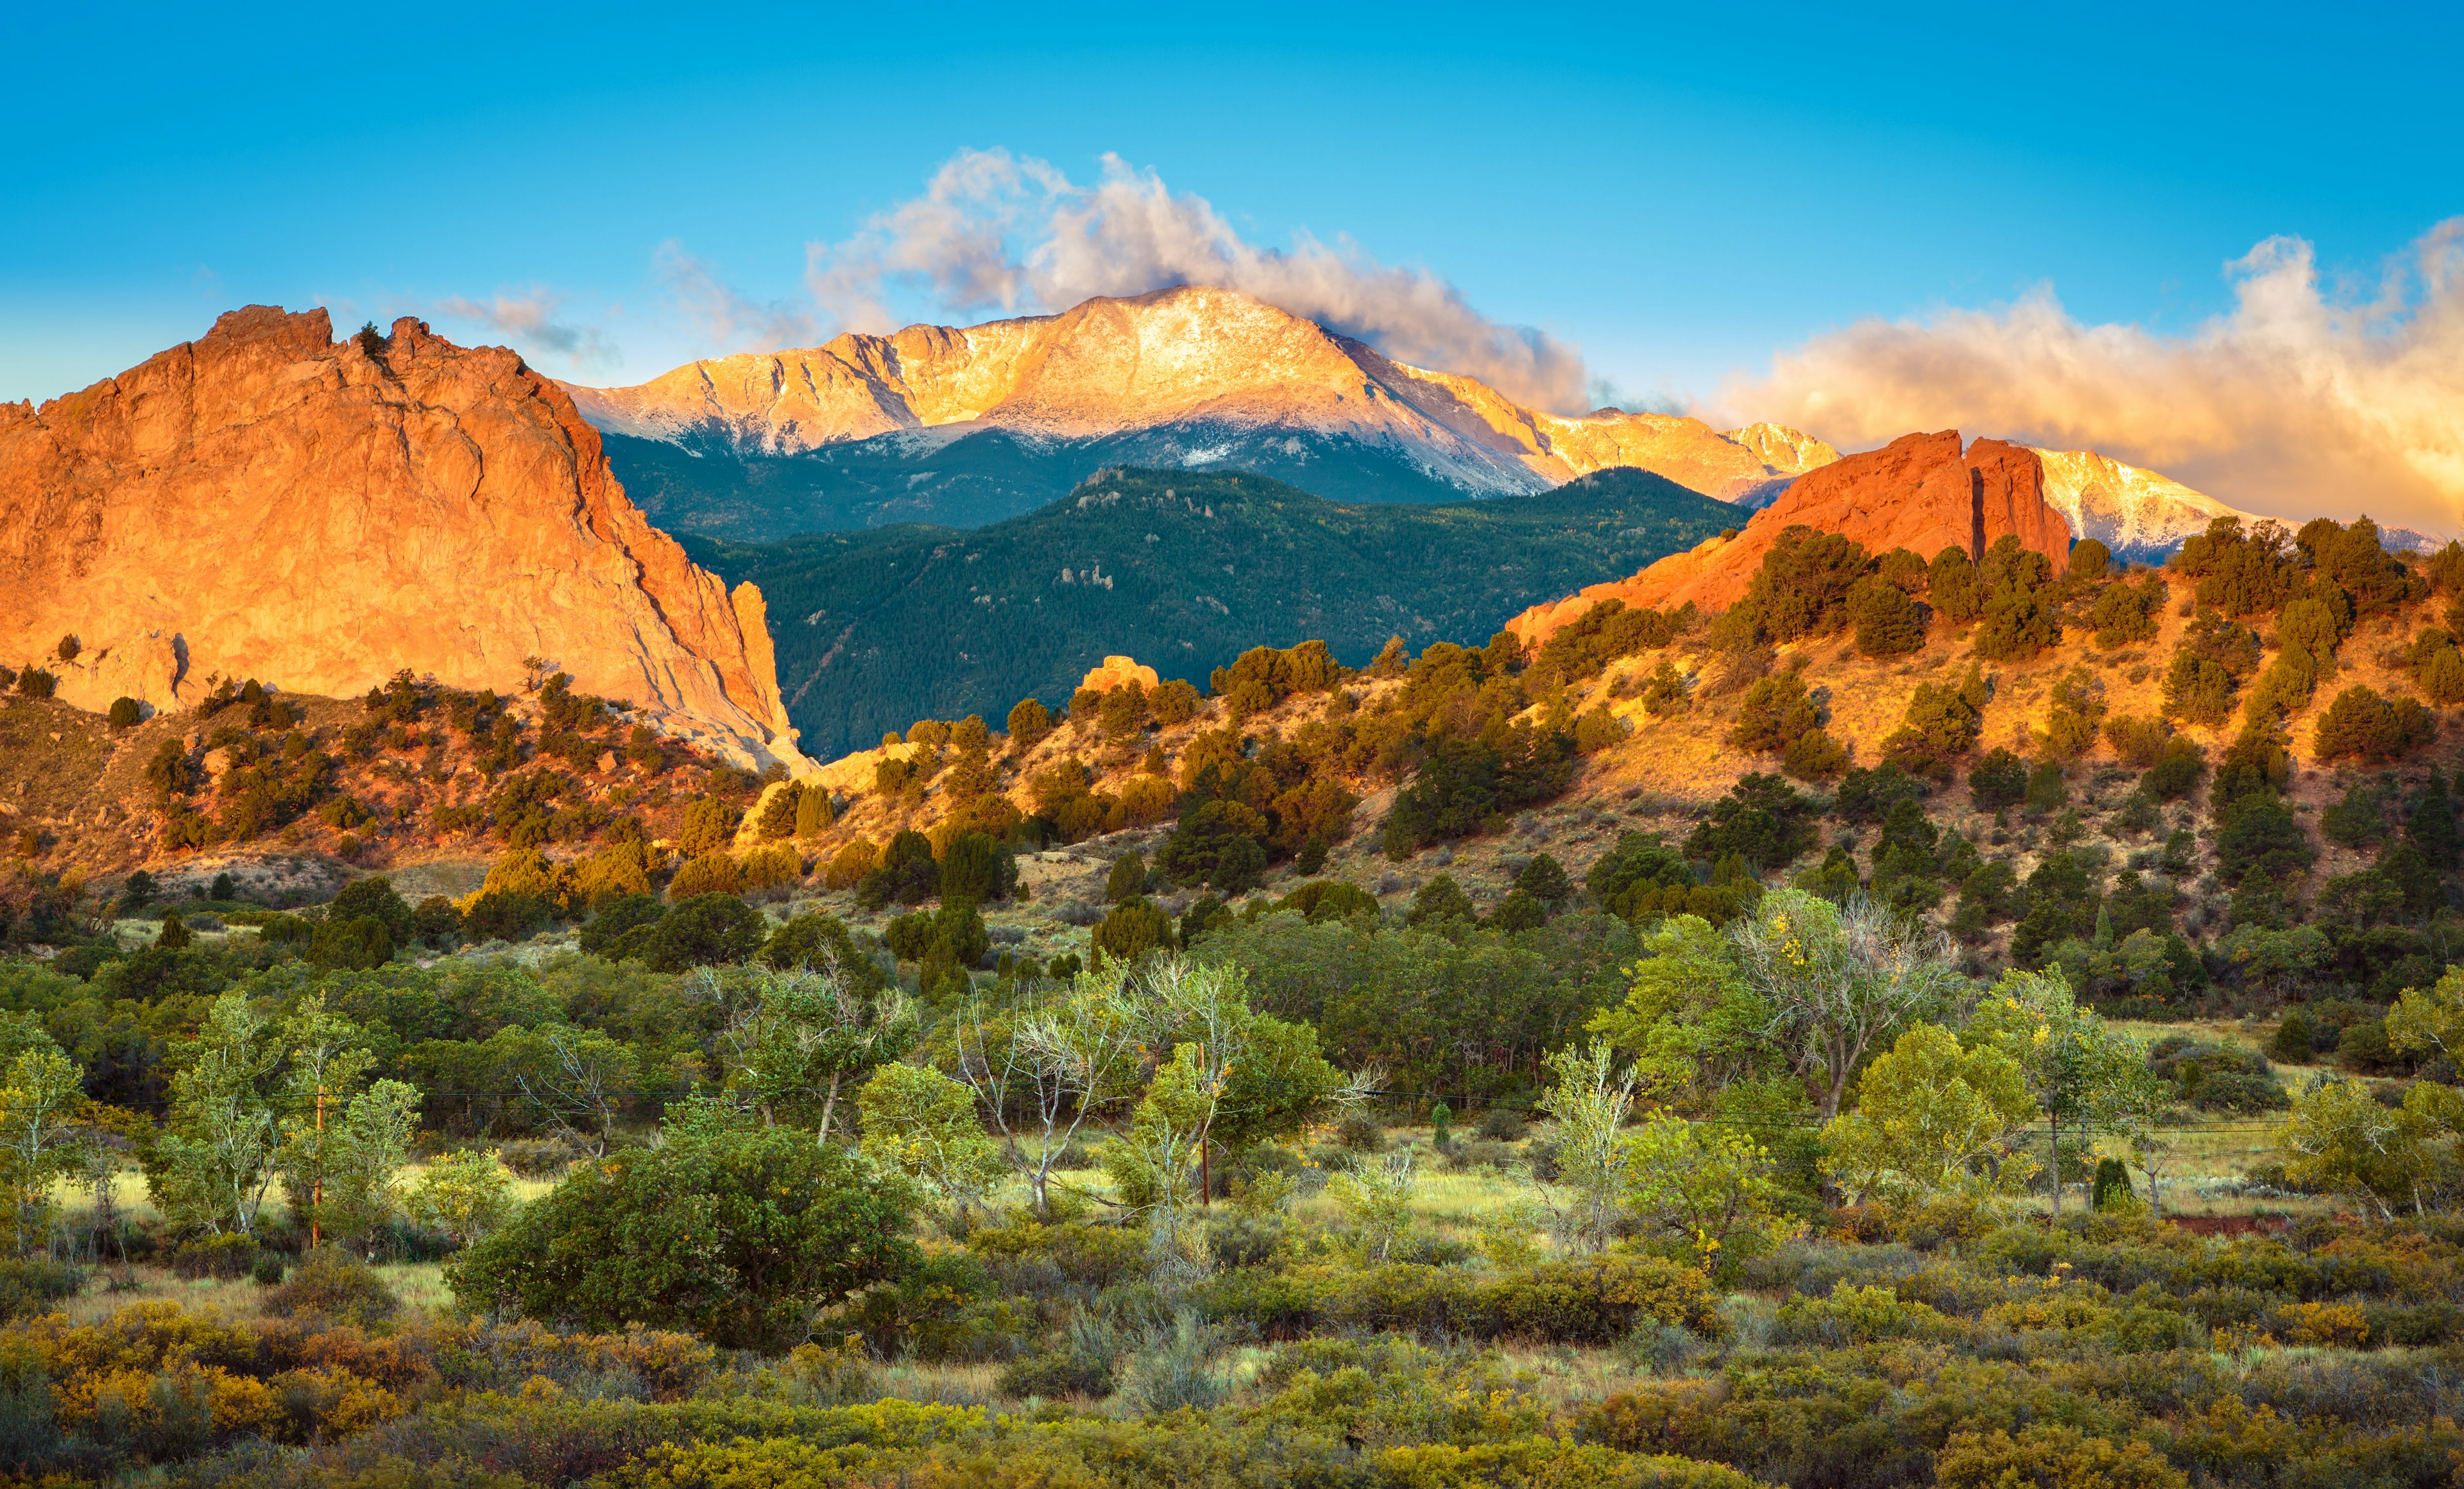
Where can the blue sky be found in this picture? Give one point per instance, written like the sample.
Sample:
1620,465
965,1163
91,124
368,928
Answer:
1683,193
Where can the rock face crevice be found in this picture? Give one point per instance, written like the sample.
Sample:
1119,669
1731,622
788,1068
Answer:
1921,493
266,502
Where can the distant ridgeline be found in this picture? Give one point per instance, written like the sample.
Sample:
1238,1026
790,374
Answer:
708,489
1183,570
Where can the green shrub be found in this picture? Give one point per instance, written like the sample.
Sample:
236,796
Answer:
1594,1302
735,1233
31,1287
1997,781
501,915
1888,623
1774,712
332,1284
2364,726
712,873
356,944
222,1258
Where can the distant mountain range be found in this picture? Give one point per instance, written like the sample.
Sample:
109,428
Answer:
1182,569
962,427
967,426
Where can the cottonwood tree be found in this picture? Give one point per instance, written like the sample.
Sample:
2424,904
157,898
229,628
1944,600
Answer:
2082,1073
1711,1187
1250,1075
923,1123
577,1081
809,1034
366,1160
38,1109
1932,1118
1691,1019
1116,1031
214,1164
1589,1103
2343,1140
1045,1066
327,1060
1839,980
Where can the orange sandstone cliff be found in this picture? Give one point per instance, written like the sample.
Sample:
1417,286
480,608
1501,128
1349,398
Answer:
266,502
1919,493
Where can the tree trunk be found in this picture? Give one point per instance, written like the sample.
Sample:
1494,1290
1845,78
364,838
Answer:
830,1103
2055,1119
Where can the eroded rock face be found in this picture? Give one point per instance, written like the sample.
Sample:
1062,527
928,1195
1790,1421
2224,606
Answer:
268,503
1919,493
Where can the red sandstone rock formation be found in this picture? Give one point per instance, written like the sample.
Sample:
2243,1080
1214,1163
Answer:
266,502
1918,493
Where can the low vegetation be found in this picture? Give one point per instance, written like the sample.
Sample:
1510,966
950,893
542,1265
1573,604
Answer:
2056,1087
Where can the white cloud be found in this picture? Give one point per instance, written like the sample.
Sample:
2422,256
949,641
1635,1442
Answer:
2301,400
532,324
1002,233
734,321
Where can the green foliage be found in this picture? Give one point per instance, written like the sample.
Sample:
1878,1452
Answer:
2197,689
978,868
1440,899
1942,724
921,1123
1666,694
1953,586
2364,726
2126,614
1760,820
738,1234
1803,586
709,828
1445,1005
907,875
1131,930
2017,621
1888,623
705,931
1519,910
464,1195
1128,877
2240,572
1584,646
1932,1119
1775,712
357,943
1997,781
1220,844
1301,566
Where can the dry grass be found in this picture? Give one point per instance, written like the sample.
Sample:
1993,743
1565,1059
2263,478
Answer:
420,1285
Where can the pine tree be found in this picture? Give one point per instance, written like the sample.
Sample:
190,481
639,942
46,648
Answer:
814,813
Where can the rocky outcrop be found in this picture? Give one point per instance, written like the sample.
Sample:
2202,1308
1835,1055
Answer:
266,502
1119,673
1919,493
1184,359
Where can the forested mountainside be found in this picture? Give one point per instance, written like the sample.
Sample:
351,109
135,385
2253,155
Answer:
1184,570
